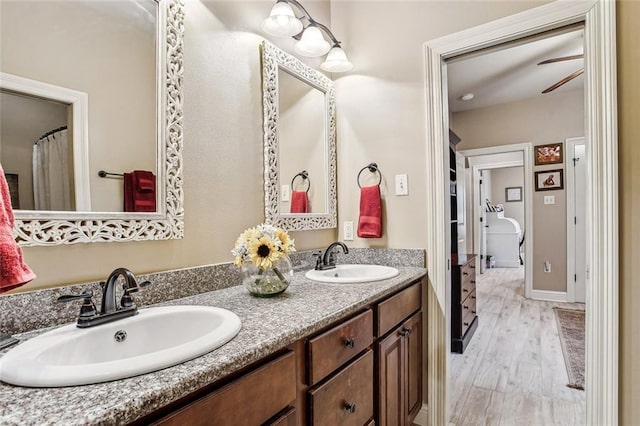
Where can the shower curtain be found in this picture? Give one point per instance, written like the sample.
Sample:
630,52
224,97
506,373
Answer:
51,182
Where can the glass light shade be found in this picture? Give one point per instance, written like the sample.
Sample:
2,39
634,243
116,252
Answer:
336,61
282,22
312,43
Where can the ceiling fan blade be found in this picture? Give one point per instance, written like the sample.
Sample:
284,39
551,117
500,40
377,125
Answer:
563,81
563,58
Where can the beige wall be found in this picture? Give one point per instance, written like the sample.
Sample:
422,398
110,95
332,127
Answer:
381,111
546,120
222,155
117,72
628,32
17,136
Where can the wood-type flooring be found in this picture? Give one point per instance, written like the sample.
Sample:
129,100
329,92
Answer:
513,372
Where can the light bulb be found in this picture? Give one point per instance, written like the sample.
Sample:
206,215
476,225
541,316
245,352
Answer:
282,22
312,43
336,61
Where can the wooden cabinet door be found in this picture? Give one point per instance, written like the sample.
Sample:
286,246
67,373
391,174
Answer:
413,346
391,370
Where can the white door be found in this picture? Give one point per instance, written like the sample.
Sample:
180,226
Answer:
483,223
577,255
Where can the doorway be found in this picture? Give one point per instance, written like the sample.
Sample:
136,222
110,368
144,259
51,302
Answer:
602,235
576,220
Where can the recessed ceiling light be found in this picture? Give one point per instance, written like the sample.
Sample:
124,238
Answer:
466,97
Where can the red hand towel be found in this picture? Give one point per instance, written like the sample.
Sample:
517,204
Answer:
299,202
13,271
139,192
370,222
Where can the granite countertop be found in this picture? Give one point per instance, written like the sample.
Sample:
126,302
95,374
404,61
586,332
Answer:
268,325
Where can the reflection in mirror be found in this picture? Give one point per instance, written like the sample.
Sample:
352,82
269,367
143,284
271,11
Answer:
116,68
303,145
106,50
299,143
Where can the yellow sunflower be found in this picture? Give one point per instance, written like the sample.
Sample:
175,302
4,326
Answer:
263,253
287,243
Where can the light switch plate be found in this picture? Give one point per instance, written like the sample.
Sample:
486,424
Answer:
347,231
285,194
402,185
549,199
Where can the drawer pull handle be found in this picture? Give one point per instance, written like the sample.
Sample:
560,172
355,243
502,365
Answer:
472,266
465,324
350,342
473,297
473,281
465,307
473,312
465,273
350,408
465,290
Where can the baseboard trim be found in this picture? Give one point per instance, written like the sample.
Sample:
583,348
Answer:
422,418
548,295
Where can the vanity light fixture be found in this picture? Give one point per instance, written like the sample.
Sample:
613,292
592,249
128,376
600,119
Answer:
282,22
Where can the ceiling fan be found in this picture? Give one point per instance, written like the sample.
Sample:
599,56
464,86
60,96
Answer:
567,78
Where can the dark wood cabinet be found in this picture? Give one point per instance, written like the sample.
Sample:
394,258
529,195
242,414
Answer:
400,367
464,317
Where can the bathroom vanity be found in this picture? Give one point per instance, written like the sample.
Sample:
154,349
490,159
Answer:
318,354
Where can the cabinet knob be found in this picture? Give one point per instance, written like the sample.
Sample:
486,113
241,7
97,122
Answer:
350,342
350,408
406,331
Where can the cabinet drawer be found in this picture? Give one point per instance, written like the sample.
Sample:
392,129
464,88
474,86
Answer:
336,346
398,307
347,398
468,311
468,284
250,400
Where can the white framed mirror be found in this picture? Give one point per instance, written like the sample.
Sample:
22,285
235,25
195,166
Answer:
299,126
115,76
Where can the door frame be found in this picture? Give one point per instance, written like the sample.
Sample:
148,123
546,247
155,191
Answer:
527,169
571,229
602,350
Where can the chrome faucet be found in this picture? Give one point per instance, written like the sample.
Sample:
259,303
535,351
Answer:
328,259
109,309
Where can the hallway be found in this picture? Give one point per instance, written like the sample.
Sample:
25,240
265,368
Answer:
513,371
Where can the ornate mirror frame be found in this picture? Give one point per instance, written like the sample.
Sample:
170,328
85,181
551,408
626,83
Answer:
273,59
37,228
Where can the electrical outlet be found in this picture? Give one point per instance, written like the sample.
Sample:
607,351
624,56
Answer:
547,266
347,231
549,199
402,186
285,194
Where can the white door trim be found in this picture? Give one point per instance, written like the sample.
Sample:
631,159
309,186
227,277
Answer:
527,155
569,145
602,211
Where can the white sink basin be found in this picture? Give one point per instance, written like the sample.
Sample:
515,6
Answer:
156,338
344,274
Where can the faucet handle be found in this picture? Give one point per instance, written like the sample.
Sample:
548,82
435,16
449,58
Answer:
88,309
127,301
318,256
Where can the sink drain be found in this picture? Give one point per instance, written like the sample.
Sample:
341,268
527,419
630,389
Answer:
120,336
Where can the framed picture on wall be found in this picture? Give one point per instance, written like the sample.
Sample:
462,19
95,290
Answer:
548,154
512,194
549,180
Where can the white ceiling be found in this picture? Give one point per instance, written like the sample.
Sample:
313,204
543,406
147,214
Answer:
512,74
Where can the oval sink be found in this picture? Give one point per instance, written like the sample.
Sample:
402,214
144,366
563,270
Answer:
344,274
153,339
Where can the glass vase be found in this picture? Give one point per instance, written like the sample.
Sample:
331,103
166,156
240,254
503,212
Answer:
267,282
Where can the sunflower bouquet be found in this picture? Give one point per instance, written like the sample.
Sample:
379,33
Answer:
263,254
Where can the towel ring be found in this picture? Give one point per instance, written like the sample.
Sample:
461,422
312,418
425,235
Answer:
373,167
305,176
